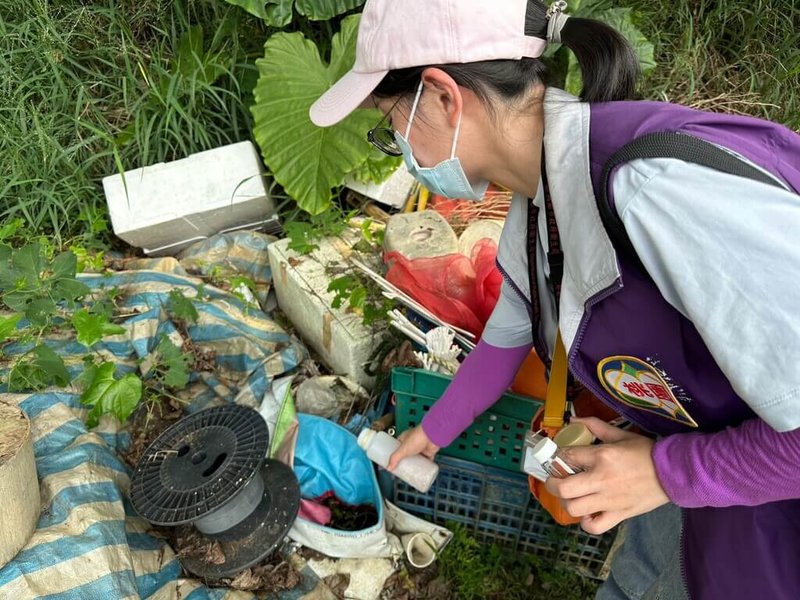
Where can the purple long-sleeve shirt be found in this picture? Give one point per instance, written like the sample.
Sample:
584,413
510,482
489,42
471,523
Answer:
483,377
746,465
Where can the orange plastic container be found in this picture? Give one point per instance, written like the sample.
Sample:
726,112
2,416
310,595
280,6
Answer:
531,380
549,502
586,404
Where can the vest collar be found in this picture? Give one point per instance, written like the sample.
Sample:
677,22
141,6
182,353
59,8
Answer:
590,262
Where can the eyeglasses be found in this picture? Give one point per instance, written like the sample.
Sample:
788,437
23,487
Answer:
383,137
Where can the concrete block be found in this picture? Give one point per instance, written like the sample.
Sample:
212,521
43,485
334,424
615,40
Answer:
301,282
420,235
165,207
392,192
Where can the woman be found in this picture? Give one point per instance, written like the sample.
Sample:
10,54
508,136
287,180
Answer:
694,335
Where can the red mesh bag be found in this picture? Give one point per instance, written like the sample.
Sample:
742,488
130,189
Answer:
457,289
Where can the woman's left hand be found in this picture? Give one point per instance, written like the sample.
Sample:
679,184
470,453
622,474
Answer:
618,480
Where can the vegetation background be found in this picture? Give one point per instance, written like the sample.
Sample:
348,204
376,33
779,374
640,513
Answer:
92,88
89,89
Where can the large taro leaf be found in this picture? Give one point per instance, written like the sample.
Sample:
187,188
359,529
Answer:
278,13
254,7
308,161
377,168
321,10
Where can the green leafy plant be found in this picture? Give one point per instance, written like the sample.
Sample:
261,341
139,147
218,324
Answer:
91,327
171,368
278,13
8,327
309,161
361,295
39,289
377,168
371,238
33,285
182,308
88,260
9,230
105,303
303,234
45,291
483,571
108,395
38,369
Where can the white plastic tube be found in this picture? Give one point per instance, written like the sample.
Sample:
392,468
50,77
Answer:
420,549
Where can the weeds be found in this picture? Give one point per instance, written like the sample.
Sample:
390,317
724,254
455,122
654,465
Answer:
90,89
93,88
739,56
44,297
478,571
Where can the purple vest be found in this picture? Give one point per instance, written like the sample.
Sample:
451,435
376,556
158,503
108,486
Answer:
728,553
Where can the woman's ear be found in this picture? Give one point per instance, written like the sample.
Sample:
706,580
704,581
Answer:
444,92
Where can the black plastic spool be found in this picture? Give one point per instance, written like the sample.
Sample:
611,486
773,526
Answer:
209,470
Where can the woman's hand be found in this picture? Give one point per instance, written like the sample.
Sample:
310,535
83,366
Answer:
414,441
619,479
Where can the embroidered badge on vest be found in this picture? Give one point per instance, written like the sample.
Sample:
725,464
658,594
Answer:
637,384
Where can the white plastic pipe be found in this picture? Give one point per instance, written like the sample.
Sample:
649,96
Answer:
420,549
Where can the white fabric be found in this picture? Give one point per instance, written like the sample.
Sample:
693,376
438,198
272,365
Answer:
590,262
724,251
509,326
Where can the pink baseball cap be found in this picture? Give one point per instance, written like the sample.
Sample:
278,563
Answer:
397,34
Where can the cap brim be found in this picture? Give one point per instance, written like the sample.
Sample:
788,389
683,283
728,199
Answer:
344,97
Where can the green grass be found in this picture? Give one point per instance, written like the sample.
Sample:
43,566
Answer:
89,89
738,56
476,571
92,88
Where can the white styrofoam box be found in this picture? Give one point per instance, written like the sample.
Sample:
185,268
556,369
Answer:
165,207
301,283
392,192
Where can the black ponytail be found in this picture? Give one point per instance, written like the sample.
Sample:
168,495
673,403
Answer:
608,65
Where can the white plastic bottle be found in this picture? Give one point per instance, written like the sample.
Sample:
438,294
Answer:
418,471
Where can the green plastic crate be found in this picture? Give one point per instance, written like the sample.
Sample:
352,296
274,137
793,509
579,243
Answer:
495,438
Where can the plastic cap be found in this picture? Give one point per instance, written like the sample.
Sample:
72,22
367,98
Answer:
544,450
365,437
574,434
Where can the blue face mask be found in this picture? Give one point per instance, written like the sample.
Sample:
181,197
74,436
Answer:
445,179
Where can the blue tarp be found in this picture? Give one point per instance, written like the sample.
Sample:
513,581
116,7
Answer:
89,544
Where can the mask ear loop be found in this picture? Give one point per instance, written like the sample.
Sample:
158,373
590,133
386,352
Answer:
455,136
413,110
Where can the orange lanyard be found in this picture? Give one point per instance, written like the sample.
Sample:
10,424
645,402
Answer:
555,403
